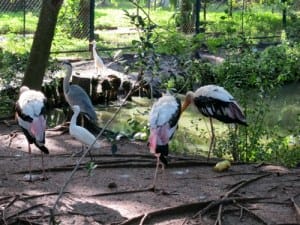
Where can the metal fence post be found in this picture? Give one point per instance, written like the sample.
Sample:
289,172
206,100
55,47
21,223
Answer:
197,9
92,24
24,18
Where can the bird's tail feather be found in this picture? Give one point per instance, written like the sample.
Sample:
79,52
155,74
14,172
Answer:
237,114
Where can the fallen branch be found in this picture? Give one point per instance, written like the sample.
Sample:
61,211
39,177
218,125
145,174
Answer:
15,198
180,209
297,209
23,211
41,195
225,196
246,182
121,192
219,216
252,214
235,174
188,208
130,163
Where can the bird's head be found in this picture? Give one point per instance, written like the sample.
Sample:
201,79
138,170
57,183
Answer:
93,42
66,63
23,89
76,108
188,100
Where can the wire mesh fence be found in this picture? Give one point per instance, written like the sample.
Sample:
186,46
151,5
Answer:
20,5
80,20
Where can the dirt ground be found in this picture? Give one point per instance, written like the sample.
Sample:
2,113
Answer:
117,191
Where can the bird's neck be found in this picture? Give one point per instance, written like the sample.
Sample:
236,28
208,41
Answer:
94,51
66,83
74,118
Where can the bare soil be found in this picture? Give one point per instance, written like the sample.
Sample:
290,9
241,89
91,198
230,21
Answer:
117,191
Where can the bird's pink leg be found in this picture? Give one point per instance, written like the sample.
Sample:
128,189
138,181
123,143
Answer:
29,151
212,140
156,170
43,167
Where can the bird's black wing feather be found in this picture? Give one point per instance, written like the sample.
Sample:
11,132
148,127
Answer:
215,108
21,114
175,117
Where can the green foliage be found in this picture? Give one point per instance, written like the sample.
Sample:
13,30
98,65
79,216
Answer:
13,23
260,73
172,43
136,126
91,166
13,60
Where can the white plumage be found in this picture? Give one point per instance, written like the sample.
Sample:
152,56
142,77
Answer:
163,119
215,92
161,114
30,110
98,62
215,102
80,133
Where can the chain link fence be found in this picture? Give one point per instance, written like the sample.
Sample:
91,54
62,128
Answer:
20,5
74,21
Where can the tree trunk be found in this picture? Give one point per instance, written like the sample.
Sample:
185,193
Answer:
284,14
40,49
230,8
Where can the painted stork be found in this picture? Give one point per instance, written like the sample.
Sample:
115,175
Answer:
75,95
99,65
80,133
163,119
215,102
30,114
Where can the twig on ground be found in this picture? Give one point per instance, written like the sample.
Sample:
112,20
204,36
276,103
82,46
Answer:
41,195
251,213
124,163
246,182
235,174
7,206
224,198
23,211
297,209
219,216
121,192
180,209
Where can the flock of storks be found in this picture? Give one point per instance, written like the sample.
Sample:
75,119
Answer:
211,100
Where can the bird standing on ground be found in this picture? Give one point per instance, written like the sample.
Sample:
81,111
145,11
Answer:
163,119
99,65
75,95
80,133
215,102
30,113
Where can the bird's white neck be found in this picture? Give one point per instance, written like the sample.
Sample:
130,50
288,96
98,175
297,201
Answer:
74,118
94,50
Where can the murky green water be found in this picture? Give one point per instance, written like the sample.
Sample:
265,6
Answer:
193,135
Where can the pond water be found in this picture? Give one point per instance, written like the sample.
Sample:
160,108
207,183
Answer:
193,135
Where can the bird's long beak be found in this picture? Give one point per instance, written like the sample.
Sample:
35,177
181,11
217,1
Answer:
185,104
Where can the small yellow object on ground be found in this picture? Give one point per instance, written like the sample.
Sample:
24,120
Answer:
222,166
